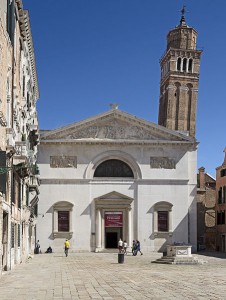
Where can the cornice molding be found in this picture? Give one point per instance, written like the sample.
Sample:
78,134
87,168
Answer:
119,142
124,181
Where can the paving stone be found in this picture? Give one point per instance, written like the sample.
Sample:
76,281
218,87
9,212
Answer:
97,276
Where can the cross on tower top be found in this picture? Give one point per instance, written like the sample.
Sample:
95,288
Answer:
183,10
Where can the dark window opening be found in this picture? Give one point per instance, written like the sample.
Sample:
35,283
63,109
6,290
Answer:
220,194
18,235
224,194
221,217
184,64
28,101
190,65
163,221
23,85
223,172
10,20
3,176
113,168
63,221
178,64
12,234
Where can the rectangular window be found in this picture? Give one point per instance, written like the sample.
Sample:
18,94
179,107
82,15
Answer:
12,234
223,172
163,221
221,217
63,221
10,20
3,176
224,194
220,196
18,235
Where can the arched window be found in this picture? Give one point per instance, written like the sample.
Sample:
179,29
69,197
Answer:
190,65
113,168
179,64
184,64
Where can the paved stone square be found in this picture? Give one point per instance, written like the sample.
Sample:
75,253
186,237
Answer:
99,276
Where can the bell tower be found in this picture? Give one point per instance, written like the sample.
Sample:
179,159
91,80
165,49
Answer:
179,79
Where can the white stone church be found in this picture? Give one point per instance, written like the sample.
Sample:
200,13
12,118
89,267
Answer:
116,175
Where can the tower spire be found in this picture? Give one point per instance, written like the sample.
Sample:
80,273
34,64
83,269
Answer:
224,163
183,11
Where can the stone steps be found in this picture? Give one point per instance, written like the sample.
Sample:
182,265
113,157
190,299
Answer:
177,260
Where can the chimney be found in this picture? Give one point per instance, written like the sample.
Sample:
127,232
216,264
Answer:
202,178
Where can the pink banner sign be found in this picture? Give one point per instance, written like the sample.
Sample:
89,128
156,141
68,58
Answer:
113,219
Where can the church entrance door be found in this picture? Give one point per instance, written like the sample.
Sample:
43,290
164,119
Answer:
112,236
113,228
113,220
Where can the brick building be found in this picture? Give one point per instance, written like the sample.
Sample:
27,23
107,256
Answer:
221,205
206,200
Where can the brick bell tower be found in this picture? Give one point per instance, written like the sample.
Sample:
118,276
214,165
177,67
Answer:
179,79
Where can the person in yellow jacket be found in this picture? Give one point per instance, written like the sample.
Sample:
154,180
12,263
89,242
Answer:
66,247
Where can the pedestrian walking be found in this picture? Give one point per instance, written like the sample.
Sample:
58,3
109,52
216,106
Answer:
66,247
138,248
125,247
120,245
37,247
134,248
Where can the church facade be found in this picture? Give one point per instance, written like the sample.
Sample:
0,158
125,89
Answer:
115,175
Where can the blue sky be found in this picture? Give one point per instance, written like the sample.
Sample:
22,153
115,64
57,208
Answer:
90,53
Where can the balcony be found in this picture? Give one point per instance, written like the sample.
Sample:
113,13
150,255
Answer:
34,184
21,153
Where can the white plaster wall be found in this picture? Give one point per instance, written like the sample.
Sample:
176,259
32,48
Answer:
87,153
156,185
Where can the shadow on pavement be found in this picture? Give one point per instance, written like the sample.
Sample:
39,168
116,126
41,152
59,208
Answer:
212,254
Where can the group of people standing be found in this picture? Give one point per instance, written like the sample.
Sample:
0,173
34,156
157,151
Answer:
122,247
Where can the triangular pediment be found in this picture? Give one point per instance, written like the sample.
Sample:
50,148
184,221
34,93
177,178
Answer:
114,125
113,200
114,196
